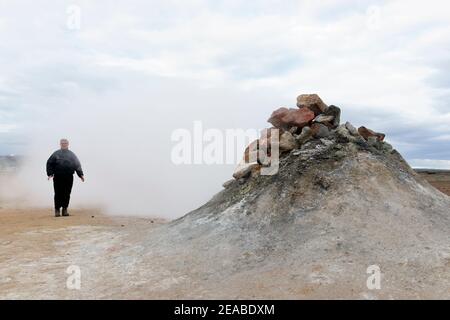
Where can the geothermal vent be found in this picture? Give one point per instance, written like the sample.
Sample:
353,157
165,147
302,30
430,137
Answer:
342,202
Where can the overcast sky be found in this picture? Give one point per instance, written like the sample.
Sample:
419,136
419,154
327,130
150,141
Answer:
385,63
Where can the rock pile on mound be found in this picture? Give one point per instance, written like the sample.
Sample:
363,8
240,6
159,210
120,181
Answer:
312,121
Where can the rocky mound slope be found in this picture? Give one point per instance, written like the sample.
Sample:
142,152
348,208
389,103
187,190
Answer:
339,203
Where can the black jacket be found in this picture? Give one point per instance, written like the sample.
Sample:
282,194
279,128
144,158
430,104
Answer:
63,162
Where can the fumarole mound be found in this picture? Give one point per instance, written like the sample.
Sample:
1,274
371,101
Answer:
342,200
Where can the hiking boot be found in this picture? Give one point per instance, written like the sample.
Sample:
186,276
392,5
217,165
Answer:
64,212
57,213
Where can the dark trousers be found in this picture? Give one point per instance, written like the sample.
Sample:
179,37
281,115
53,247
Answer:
62,184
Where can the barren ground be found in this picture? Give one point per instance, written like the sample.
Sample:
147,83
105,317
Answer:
440,179
37,248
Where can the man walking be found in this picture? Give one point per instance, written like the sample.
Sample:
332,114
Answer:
60,166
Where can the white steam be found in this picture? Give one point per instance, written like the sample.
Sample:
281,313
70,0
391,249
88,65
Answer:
123,141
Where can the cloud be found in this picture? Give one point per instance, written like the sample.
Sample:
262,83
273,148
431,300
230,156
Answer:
6,127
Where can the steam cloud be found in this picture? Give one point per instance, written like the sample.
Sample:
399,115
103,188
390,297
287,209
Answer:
124,145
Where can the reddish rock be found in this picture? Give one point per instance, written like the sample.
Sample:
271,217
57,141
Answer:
266,134
312,102
285,119
276,118
265,139
250,153
258,151
299,117
366,133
